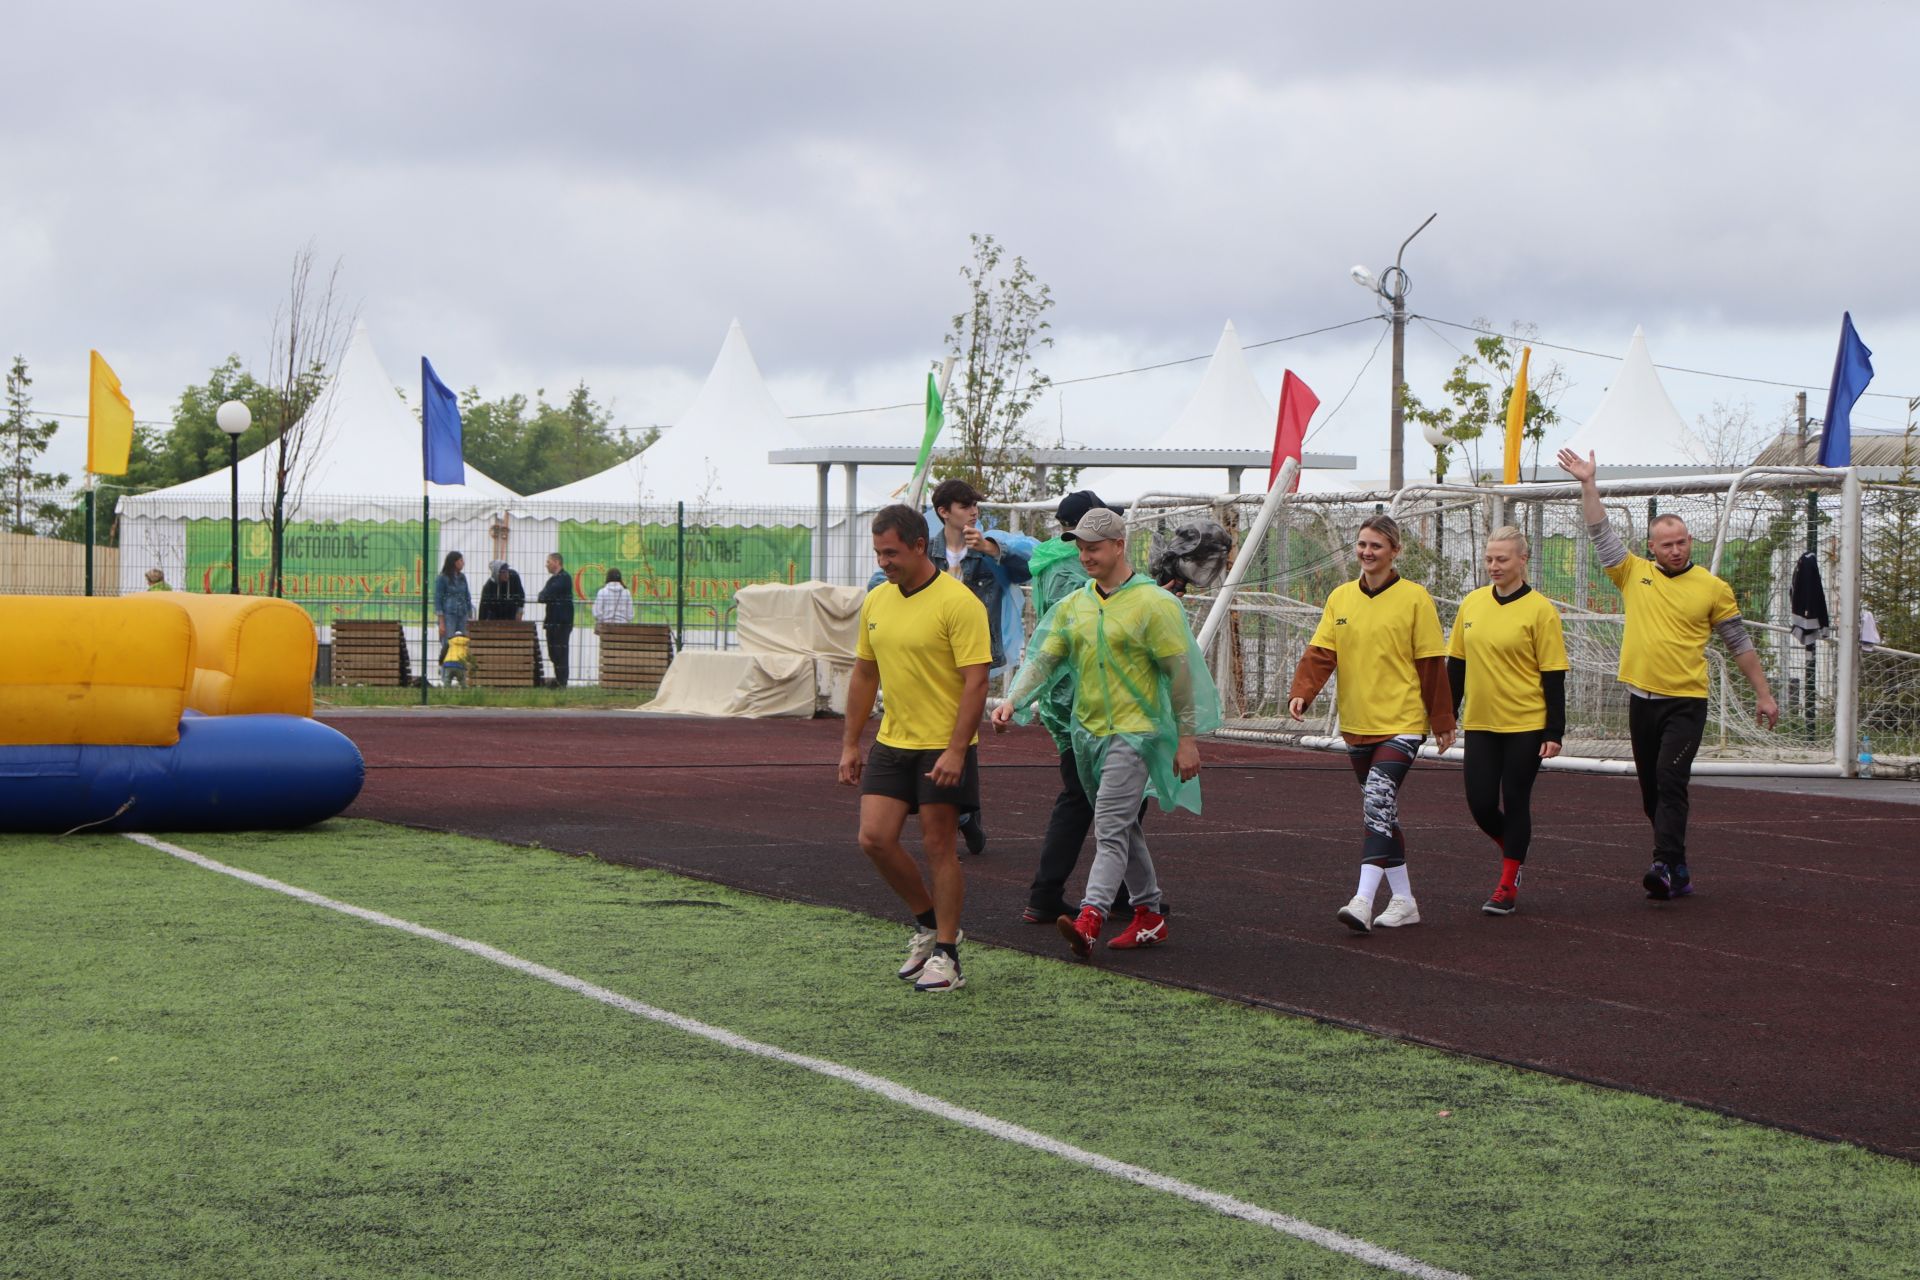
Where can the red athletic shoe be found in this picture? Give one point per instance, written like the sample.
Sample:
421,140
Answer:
1502,903
1083,931
1149,929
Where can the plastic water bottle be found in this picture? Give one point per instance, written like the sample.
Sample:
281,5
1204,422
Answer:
1866,753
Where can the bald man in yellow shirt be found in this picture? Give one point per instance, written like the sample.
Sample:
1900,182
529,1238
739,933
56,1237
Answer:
1673,608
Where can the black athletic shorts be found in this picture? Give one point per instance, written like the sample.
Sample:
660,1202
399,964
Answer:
902,775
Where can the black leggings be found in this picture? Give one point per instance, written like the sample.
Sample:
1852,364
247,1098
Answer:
1501,768
1381,767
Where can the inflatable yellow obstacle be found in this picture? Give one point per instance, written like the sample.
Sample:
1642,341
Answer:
164,712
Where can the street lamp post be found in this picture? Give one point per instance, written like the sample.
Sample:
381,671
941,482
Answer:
234,418
1392,285
1439,440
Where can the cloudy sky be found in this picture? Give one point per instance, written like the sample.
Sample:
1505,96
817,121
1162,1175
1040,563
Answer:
535,195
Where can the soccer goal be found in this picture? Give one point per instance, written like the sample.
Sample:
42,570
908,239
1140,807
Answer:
1751,528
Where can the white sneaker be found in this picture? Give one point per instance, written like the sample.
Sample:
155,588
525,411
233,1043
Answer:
1357,915
1399,911
940,973
919,951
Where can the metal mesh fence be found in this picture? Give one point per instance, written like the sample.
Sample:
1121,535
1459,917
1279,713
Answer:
348,558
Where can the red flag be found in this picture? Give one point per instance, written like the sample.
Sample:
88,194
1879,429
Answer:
1297,403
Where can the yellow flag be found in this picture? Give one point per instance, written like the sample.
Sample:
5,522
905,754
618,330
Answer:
1516,419
109,422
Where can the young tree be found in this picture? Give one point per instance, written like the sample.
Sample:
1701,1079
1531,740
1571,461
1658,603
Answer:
1729,436
996,383
310,332
531,451
1478,391
22,441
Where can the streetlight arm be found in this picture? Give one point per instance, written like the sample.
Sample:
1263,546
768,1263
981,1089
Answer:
1409,240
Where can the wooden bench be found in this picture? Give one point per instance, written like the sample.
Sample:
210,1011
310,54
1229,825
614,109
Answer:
501,654
634,655
370,653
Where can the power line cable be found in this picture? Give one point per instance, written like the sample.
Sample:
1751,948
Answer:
1351,389
1675,368
1117,373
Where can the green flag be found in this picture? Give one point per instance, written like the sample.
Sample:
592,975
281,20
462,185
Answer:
936,417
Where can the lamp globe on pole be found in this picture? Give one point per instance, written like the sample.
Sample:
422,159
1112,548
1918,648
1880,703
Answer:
234,418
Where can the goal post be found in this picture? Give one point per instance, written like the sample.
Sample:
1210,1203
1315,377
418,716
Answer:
1752,527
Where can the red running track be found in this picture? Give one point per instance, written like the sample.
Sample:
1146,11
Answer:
1783,991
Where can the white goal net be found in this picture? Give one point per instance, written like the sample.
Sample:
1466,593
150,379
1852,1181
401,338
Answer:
1752,529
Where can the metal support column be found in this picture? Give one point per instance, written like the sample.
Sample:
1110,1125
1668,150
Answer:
852,473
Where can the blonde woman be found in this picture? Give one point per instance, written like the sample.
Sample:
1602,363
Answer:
1384,632
1508,660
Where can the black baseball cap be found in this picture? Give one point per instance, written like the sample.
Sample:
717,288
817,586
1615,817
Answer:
1075,505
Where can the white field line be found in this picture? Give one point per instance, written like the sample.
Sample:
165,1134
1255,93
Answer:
1353,1247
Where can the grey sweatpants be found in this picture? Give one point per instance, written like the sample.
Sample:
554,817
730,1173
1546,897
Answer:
1119,845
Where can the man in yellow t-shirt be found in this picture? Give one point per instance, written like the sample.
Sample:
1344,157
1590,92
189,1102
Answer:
1673,607
924,639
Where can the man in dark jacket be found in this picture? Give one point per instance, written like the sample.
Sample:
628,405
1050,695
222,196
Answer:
505,599
557,596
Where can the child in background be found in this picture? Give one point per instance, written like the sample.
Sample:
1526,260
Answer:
453,667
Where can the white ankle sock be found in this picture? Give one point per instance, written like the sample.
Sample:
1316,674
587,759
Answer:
1397,881
1369,880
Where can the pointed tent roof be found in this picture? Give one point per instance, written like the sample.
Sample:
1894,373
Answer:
1636,422
1228,411
366,444
717,450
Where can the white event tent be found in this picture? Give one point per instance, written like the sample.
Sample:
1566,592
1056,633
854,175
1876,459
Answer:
1636,423
361,462
1227,411
714,457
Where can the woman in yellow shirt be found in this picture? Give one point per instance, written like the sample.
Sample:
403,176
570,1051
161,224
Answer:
1508,660
1384,632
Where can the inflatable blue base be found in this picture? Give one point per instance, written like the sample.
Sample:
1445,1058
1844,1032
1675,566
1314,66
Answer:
227,773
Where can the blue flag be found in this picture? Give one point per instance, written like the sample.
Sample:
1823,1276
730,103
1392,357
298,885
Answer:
1852,371
440,428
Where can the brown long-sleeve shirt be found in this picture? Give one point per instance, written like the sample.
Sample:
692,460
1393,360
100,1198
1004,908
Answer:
1317,666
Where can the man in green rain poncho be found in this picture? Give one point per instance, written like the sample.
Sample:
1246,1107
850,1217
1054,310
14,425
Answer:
1141,696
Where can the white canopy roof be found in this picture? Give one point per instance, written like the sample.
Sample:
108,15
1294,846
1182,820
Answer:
1228,411
1636,422
716,453
364,443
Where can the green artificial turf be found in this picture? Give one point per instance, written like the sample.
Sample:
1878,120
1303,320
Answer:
203,1078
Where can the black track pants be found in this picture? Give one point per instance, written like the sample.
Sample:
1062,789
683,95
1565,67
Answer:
1666,734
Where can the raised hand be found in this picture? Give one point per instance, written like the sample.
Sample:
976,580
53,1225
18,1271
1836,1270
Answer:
1577,467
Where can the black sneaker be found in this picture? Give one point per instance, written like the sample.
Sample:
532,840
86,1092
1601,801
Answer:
1658,882
1681,880
973,833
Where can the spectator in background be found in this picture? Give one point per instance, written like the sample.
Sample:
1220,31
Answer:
503,598
557,596
157,581
452,602
613,603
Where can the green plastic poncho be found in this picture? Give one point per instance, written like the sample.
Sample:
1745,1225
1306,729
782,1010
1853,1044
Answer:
1056,570
1136,674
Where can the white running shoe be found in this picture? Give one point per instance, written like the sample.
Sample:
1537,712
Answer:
919,951
940,973
1358,915
1399,911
